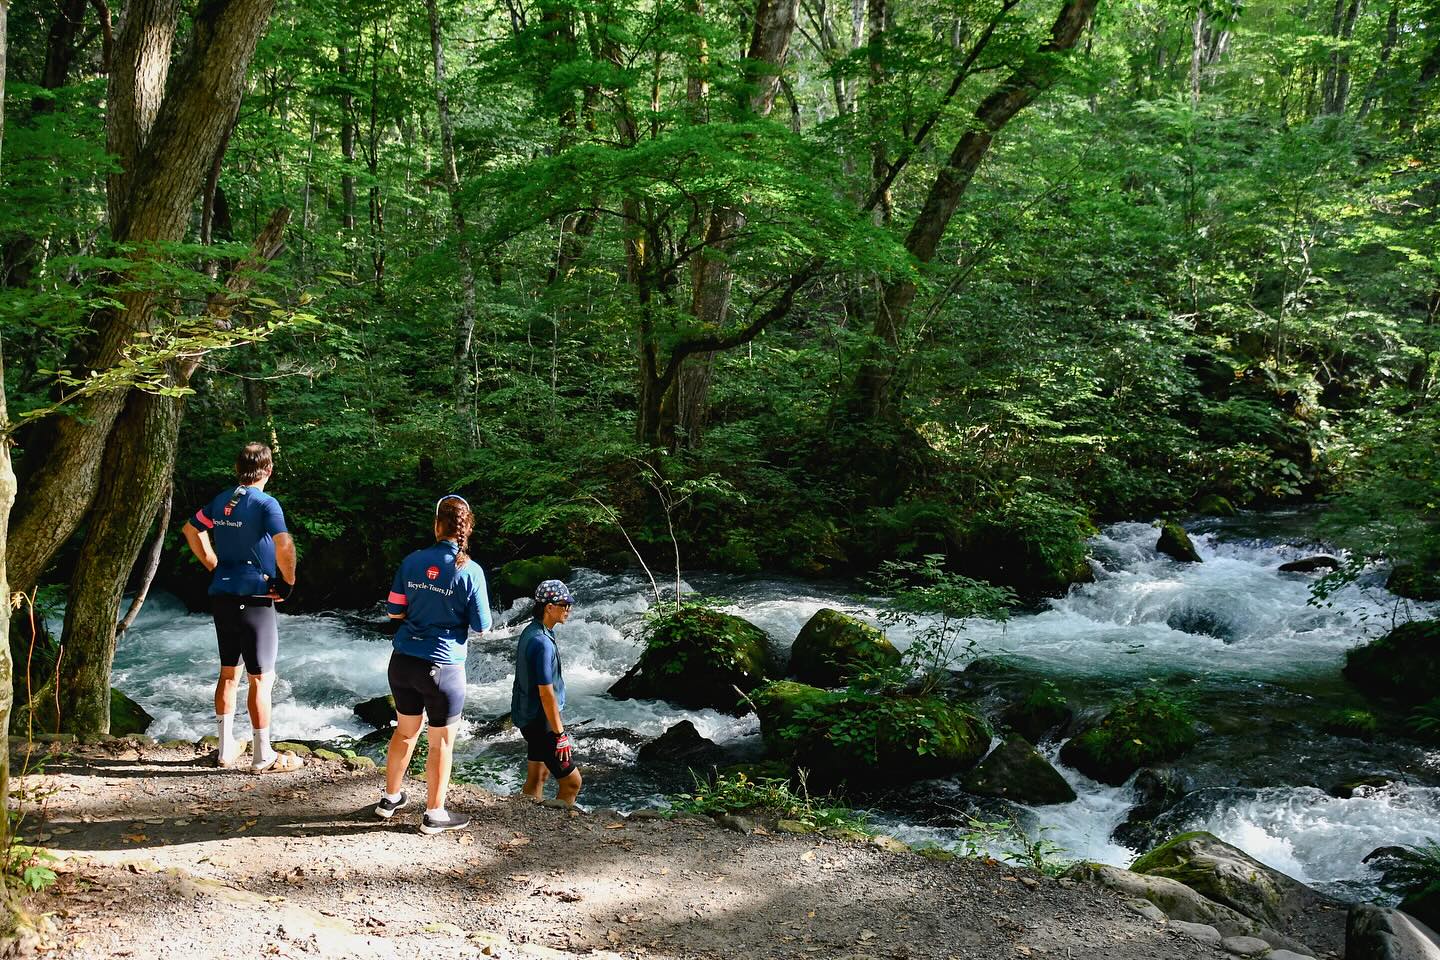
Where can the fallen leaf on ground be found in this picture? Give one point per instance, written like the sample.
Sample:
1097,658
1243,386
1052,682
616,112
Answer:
134,838
614,826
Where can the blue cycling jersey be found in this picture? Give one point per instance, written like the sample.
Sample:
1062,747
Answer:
537,662
441,601
242,523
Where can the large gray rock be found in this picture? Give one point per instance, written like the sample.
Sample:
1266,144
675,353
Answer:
1379,933
1230,876
1180,902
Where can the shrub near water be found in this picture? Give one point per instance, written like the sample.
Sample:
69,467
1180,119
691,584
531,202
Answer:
1148,728
697,657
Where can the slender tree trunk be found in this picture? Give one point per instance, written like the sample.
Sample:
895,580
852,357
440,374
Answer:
1197,53
164,145
372,159
465,323
879,149
1336,88
7,500
347,147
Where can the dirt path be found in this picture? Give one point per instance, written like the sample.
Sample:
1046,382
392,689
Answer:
171,859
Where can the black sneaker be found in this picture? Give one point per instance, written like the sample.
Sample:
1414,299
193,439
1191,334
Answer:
452,821
385,809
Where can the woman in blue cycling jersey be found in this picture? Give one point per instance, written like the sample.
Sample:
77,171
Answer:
440,594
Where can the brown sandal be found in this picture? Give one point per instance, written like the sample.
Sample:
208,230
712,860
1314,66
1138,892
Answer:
284,762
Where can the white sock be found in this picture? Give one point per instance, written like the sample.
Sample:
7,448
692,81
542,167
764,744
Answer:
227,735
394,797
437,813
261,749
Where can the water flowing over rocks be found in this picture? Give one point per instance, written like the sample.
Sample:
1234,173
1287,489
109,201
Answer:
1015,771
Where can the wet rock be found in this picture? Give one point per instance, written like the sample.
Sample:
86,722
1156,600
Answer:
1310,564
833,647
1015,771
680,744
737,823
1231,877
1287,955
127,716
1156,791
696,657
1403,665
299,749
379,712
1175,542
1032,543
1147,728
862,738
1373,932
1201,622
1347,789
1423,905
1214,505
1041,711
518,579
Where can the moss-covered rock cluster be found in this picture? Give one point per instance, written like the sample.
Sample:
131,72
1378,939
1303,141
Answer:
1403,665
518,579
696,657
1148,728
832,648
846,736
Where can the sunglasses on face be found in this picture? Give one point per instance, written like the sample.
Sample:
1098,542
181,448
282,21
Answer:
450,496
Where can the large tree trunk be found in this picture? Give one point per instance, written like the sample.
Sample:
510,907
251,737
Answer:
139,461
1034,75
164,145
712,276
465,323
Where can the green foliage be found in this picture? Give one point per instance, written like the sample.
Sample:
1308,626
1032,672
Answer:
775,797
30,868
1151,726
1352,723
1410,871
1426,719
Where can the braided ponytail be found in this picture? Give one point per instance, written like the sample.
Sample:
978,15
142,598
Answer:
456,521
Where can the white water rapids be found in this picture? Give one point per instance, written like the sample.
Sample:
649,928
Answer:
1236,632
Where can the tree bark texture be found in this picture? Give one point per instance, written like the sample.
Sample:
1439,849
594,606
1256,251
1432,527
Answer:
138,464
1336,89
1035,74
165,144
7,500
1372,89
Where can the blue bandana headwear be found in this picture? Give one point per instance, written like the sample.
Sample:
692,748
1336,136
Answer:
553,591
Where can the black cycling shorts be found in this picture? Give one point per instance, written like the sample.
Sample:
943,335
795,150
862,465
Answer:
540,748
437,689
246,629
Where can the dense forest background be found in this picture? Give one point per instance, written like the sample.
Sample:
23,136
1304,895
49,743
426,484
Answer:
820,286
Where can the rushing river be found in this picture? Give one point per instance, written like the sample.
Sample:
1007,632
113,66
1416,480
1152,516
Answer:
1233,636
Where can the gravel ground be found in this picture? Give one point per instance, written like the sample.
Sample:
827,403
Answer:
170,858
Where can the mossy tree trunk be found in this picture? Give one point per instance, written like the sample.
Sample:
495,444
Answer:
7,499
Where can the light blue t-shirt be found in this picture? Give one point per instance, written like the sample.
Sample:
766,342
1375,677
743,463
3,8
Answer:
537,662
441,601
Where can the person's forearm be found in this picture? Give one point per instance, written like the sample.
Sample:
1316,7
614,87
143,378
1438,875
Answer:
285,557
199,543
551,706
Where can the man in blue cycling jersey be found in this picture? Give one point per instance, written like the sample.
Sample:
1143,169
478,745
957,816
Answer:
538,697
240,537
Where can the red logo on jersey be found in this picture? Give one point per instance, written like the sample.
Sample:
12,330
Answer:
433,573
229,510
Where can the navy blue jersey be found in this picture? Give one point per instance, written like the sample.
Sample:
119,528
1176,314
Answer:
441,602
537,663
242,523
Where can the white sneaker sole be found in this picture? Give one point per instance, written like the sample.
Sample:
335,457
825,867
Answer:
430,831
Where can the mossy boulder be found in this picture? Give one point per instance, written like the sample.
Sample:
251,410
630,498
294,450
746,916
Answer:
519,578
1311,564
1032,543
1214,505
681,744
1403,665
1041,710
696,657
1351,723
1016,771
1175,542
1229,876
379,712
1414,582
833,647
127,716
843,736
1148,728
